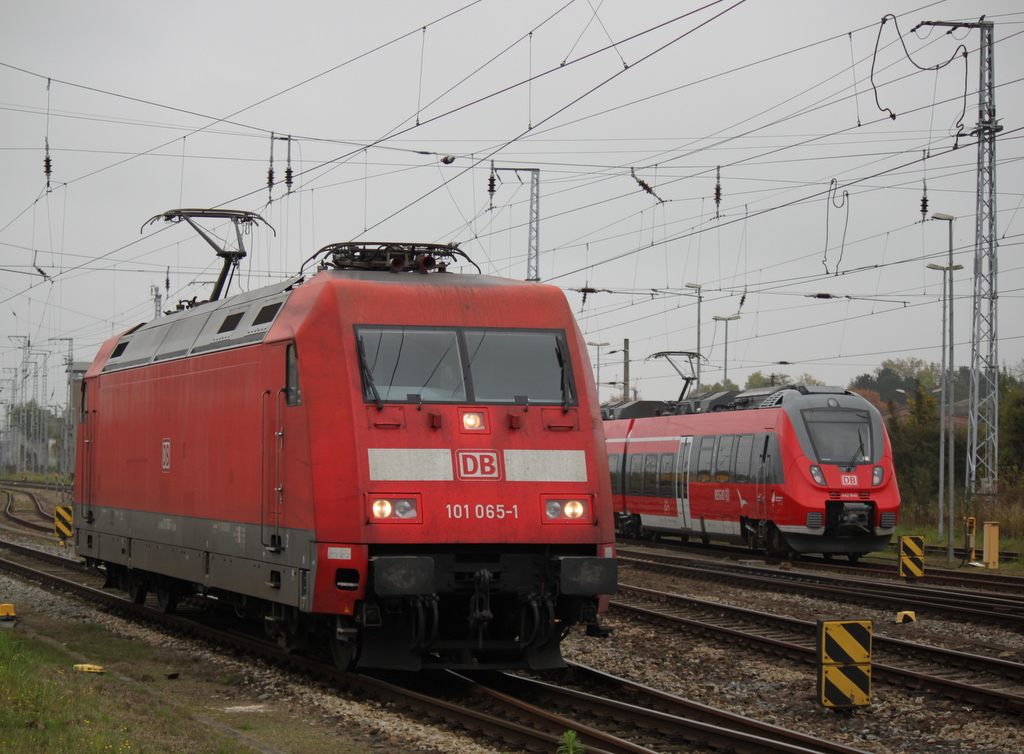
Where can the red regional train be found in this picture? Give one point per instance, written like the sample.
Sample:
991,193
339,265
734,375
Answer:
401,463
783,470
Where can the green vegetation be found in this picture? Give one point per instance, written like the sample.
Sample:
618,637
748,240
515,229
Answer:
48,706
905,391
569,745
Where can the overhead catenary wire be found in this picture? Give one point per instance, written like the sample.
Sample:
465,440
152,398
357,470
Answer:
661,242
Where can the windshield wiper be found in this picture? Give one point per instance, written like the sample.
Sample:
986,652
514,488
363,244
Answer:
857,453
566,392
368,376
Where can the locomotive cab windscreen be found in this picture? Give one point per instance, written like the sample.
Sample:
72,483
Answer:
841,436
465,365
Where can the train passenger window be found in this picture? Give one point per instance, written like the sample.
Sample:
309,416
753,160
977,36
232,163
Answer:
615,471
293,395
683,469
636,473
666,479
704,457
723,461
651,475
744,450
767,455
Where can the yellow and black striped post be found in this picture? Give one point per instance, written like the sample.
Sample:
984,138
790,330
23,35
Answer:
971,536
62,522
844,663
912,557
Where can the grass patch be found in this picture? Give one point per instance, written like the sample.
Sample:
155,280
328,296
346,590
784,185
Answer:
48,706
95,641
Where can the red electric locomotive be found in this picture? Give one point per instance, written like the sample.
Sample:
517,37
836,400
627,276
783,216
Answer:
784,470
405,464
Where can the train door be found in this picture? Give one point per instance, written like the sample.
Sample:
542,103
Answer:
281,390
763,463
86,432
683,482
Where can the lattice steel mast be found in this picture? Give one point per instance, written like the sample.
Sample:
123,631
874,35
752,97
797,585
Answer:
983,431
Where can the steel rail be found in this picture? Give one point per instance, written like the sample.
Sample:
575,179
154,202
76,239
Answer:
996,698
746,740
972,605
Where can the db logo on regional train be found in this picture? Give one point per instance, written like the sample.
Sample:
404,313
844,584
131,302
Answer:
477,464
849,480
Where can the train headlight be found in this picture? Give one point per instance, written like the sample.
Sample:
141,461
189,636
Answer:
877,475
473,421
574,509
567,510
817,476
394,509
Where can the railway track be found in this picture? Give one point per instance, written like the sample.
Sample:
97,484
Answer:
20,518
516,712
937,571
989,681
966,604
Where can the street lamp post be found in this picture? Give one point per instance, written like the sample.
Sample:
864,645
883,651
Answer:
727,320
598,346
948,386
697,287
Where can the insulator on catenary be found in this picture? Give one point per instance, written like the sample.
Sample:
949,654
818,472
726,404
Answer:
491,184
718,189
288,170
47,163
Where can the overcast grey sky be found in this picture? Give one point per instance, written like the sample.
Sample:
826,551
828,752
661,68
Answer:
630,111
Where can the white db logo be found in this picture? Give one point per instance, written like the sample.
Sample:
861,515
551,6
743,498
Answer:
477,464
849,480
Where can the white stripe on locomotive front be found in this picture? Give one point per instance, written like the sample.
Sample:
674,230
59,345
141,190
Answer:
435,465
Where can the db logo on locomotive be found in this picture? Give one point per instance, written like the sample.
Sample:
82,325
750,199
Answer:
477,464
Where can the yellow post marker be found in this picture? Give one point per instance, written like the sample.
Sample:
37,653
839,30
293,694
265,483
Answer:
7,617
970,536
912,557
844,663
63,525
990,554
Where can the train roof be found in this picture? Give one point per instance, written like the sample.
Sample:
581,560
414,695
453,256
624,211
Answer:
247,318
731,400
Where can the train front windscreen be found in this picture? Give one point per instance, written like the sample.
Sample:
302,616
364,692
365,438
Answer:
465,365
841,436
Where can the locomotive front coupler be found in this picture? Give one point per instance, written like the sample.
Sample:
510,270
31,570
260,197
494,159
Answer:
480,614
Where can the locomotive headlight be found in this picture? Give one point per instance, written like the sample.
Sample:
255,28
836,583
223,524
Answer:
817,476
877,475
574,509
563,510
405,508
394,509
473,420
